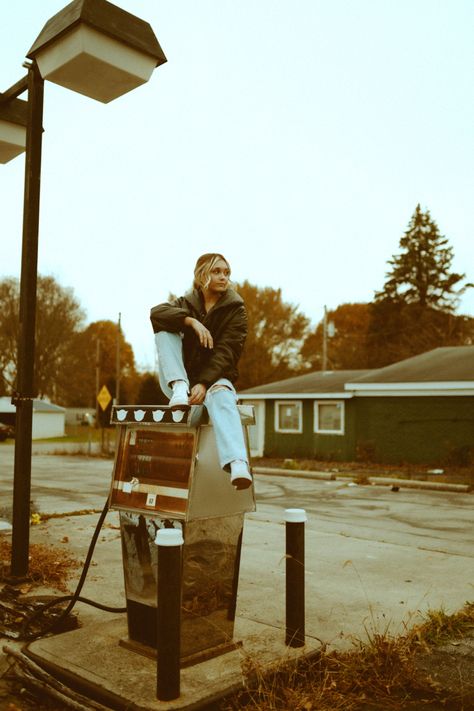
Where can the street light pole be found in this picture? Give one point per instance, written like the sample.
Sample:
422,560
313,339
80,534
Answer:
101,51
23,397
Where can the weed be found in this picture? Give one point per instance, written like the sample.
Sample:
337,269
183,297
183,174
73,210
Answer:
379,673
439,626
47,565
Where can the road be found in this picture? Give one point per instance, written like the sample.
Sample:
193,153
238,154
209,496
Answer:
373,556
433,520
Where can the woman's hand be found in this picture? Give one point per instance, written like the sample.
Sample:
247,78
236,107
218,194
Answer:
205,338
198,393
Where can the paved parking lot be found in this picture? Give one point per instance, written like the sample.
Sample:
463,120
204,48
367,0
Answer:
375,560
372,555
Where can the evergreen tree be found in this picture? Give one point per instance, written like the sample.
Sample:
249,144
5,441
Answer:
414,312
421,274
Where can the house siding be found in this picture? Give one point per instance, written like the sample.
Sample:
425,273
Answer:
309,444
430,430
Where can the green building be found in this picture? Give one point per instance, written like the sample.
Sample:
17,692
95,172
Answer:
419,410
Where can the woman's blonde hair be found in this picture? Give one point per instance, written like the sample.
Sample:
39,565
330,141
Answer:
204,266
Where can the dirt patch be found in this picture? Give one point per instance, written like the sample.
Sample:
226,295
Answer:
361,470
451,667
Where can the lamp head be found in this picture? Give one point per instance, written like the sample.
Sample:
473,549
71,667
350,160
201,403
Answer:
97,49
13,122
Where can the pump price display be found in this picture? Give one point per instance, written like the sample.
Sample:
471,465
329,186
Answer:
104,397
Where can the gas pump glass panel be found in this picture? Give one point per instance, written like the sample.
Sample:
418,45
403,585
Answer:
211,556
152,469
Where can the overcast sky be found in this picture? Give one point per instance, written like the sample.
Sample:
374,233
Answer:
294,136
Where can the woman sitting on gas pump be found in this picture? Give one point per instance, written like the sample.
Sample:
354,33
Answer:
199,338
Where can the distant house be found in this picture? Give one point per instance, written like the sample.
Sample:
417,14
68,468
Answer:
48,419
418,410
311,415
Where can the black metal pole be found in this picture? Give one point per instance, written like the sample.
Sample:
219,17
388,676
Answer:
168,643
295,603
23,398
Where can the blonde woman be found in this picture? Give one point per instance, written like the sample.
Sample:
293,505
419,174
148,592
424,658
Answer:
199,339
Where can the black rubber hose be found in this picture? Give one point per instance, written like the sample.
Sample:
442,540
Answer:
75,597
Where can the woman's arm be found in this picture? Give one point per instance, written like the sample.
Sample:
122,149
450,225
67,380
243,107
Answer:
169,316
227,351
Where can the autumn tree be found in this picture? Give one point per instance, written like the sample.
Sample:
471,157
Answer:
58,319
347,347
9,310
276,333
83,363
398,331
414,312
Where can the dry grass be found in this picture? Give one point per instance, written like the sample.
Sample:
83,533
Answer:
440,627
380,673
47,565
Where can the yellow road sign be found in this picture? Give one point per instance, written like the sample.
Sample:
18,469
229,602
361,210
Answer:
104,397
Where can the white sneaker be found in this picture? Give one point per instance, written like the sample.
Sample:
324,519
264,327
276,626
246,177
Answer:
180,397
240,476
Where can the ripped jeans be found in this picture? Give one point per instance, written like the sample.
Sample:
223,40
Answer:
220,400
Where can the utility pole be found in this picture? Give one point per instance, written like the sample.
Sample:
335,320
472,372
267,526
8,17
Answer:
117,362
97,381
325,340
328,332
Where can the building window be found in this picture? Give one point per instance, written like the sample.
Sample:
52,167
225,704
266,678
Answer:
288,416
329,417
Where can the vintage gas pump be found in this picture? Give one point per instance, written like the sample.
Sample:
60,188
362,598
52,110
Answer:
167,475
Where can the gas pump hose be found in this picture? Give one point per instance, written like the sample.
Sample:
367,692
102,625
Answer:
75,597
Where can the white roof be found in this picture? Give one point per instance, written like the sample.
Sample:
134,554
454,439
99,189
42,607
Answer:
38,406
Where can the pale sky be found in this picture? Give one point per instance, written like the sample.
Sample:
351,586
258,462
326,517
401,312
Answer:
294,136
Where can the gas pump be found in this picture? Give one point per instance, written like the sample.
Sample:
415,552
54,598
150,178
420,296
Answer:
167,475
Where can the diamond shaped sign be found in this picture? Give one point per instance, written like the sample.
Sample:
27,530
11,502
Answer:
104,397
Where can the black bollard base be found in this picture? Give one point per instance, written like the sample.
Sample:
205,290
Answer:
168,642
295,597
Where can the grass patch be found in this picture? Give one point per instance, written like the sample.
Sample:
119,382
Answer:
380,673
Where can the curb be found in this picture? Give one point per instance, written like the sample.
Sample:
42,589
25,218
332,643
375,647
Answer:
416,484
384,481
300,473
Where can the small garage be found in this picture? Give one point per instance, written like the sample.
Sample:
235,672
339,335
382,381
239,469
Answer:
48,419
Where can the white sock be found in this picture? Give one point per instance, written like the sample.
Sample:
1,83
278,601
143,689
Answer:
238,466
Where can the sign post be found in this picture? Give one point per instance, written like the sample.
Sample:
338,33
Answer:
104,398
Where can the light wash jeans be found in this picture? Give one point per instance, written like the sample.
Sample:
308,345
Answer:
221,403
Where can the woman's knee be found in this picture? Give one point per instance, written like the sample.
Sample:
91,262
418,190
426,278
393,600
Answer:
224,392
218,386
166,338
